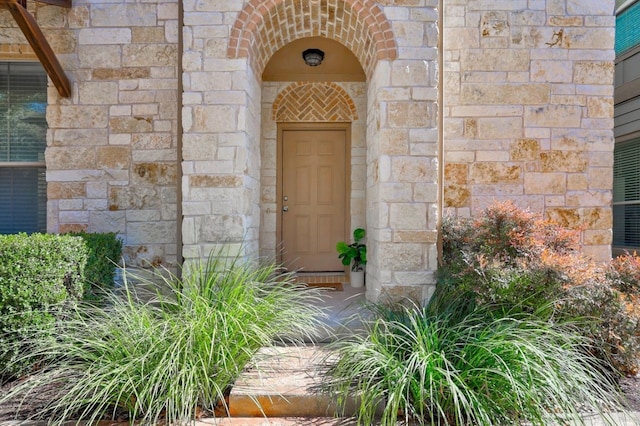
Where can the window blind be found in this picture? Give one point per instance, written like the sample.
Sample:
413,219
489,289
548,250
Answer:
23,127
627,29
626,194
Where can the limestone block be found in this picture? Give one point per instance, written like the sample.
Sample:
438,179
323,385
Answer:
600,178
590,7
133,198
494,60
495,172
99,36
499,128
407,216
594,72
214,118
597,237
408,33
62,41
553,116
98,93
114,157
517,94
108,56
154,173
577,182
401,256
136,124
123,15
139,55
60,190
545,183
410,73
120,73
552,71
214,228
527,149
411,114
414,169
76,137
206,81
456,173
426,192
146,141
74,204
73,216
461,38
456,195
70,158
589,217
160,232
210,181
419,236
492,156
106,221
77,116
565,161
589,198
599,107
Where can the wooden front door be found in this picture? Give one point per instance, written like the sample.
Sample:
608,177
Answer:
313,198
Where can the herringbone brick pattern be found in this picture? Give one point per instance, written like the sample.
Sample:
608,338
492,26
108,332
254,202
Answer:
264,26
314,102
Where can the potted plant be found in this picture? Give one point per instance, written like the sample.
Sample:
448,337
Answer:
354,254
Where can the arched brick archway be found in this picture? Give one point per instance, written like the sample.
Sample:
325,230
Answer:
263,27
314,102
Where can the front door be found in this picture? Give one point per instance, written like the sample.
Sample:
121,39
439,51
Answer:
313,198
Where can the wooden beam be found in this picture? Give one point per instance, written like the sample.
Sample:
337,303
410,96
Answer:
40,46
61,3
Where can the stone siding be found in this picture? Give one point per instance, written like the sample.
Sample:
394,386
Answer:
528,110
111,152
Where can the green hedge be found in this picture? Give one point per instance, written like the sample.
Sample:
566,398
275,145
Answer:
41,276
105,250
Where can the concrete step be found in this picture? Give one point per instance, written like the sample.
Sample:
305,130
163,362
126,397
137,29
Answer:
285,382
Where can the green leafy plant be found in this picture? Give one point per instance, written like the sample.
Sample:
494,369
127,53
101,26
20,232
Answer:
451,363
354,254
164,356
105,251
41,277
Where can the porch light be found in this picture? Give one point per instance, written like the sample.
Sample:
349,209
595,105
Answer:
313,57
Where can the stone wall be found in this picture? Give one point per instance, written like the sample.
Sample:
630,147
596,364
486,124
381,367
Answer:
112,146
528,107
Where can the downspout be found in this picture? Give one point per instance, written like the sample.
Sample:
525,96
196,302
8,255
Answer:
179,217
440,126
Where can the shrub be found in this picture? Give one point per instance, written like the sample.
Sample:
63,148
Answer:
453,364
105,251
40,279
513,257
175,354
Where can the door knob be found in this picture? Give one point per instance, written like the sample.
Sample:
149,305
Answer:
285,208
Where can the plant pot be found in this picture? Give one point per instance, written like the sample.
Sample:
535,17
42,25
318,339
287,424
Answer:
356,279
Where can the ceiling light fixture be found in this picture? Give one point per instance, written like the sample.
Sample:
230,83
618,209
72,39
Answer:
313,57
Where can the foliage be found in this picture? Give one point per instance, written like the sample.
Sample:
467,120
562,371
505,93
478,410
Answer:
455,364
354,254
514,257
169,354
40,279
105,250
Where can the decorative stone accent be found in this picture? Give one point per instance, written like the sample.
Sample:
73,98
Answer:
314,102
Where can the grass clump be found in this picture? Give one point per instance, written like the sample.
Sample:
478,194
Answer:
168,357
454,364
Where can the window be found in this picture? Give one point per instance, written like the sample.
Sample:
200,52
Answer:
23,129
626,194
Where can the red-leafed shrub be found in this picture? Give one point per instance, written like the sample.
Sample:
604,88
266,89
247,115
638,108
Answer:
517,259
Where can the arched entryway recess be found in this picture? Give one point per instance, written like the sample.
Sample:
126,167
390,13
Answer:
399,158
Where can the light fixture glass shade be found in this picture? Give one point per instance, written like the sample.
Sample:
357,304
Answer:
313,57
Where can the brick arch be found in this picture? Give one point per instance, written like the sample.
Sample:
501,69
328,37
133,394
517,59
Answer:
263,27
314,102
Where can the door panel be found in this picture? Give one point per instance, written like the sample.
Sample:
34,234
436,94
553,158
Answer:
313,191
